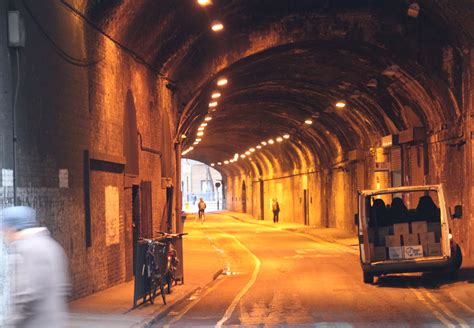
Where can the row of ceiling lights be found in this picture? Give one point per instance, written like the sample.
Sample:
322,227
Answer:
221,82
252,150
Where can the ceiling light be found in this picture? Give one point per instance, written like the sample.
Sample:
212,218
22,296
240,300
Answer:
212,164
222,81
207,118
236,156
242,156
279,139
226,162
200,134
215,95
264,143
258,147
198,139
308,121
286,136
190,148
340,104
232,161
247,153
217,26
183,136
413,10
213,104
219,163
271,142
204,3
201,128
195,142
203,124
252,149
372,83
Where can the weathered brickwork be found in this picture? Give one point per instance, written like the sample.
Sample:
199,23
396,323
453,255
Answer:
65,109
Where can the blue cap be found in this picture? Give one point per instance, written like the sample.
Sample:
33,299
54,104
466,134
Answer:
19,217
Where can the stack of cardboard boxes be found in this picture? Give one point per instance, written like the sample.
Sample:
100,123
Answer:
405,241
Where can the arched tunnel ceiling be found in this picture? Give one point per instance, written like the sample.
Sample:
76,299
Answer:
287,61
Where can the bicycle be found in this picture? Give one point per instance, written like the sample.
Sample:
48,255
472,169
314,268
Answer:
172,259
153,273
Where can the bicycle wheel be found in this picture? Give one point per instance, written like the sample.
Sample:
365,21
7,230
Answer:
169,281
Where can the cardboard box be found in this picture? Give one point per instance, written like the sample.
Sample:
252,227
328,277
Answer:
434,227
412,252
434,249
427,238
393,241
411,239
395,253
419,227
401,229
379,254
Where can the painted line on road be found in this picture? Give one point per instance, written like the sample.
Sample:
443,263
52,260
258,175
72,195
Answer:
238,297
194,302
461,303
432,308
446,311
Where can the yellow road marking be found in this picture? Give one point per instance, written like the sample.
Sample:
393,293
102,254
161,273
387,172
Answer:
446,311
238,297
194,302
433,310
461,303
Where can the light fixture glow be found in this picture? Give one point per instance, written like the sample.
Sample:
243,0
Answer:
183,136
226,162
219,163
215,95
190,148
258,147
340,104
308,121
213,104
204,3
286,136
279,139
242,156
212,164
236,156
201,128
200,134
252,149
264,143
195,142
207,118
271,142
203,124
247,153
222,81
217,26
198,139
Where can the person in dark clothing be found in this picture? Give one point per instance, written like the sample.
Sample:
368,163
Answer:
398,212
379,213
275,209
427,210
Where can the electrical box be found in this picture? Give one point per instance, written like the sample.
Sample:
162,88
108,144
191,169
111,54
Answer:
16,30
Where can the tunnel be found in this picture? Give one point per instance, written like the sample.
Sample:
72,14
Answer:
305,101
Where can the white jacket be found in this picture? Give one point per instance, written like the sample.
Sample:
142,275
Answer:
41,281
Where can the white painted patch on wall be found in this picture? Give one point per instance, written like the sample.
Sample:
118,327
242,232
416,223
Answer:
63,178
112,215
7,178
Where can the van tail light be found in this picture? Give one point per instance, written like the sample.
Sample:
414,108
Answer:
451,240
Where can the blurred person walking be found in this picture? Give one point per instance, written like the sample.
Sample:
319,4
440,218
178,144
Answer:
201,207
40,282
275,209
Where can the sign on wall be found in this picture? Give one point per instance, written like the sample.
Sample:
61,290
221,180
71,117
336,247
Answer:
63,178
112,222
382,166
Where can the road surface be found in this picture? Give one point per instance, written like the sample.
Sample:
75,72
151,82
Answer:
276,277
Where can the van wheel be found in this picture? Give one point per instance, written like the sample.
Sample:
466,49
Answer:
458,258
368,278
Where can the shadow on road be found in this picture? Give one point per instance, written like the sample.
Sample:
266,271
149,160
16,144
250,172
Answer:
429,280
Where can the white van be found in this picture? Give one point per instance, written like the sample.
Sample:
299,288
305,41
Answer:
406,229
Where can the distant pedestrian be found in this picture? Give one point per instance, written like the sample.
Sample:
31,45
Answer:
194,200
276,210
40,281
201,207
